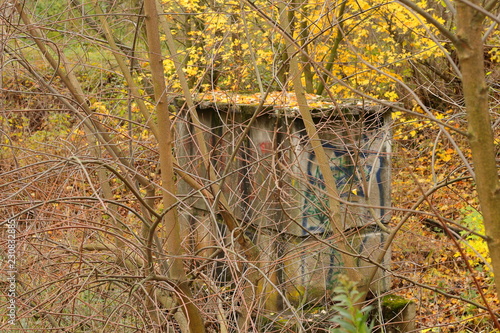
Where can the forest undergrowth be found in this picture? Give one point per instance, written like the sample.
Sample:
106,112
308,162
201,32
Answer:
429,269
425,252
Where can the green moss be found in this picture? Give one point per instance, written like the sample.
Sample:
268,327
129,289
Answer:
394,304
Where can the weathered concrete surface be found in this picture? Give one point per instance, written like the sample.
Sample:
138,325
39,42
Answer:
313,264
278,194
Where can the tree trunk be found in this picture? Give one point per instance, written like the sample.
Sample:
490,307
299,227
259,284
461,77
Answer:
170,219
323,162
471,56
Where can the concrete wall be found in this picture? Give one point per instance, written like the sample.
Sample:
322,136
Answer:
277,191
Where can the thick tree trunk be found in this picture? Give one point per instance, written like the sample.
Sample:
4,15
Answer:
471,55
323,163
165,141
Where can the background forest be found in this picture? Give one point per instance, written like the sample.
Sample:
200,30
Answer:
108,234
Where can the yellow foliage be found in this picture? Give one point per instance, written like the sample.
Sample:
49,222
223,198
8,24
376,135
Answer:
378,40
477,248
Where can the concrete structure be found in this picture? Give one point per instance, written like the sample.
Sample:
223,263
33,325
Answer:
276,188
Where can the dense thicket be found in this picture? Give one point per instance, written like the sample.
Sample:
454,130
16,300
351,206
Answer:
120,227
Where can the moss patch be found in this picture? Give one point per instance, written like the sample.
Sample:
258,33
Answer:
393,304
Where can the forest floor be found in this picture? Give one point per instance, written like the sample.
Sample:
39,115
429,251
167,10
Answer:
435,274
